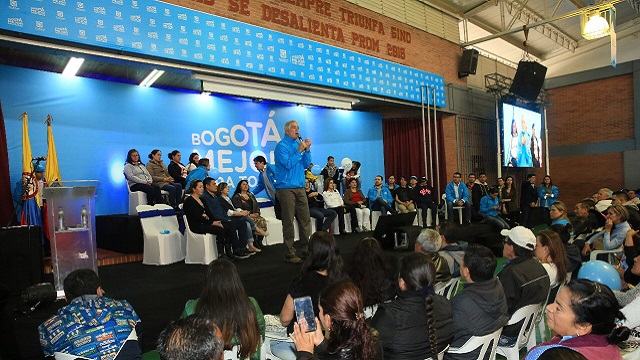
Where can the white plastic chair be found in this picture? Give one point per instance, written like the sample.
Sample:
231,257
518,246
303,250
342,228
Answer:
201,248
447,289
273,224
369,311
617,251
162,245
135,198
526,313
486,343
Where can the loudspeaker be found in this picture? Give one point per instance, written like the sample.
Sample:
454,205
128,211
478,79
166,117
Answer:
528,80
468,63
21,259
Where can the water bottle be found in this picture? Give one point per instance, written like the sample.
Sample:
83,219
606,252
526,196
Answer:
84,218
61,226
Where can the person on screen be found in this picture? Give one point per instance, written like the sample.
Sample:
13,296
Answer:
512,159
524,153
536,152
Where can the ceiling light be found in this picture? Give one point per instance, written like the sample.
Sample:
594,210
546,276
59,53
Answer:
598,23
152,77
72,66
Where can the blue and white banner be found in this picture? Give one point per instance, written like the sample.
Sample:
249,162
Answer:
168,31
97,122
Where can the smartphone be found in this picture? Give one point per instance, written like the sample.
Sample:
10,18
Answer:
304,310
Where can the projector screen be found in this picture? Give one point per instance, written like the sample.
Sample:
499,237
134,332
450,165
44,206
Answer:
521,129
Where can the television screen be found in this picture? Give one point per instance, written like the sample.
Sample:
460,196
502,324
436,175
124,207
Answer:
521,130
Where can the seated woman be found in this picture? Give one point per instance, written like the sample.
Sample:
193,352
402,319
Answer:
177,171
139,179
201,172
550,252
333,201
223,193
631,275
614,233
245,200
342,315
161,177
198,215
354,198
585,317
224,300
404,197
324,217
193,162
558,212
323,266
418,325
373,274
571,250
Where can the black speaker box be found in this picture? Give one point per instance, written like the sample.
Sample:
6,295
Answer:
468,63
528,80
21,259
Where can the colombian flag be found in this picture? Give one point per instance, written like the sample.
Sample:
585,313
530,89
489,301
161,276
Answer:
30,213
52,173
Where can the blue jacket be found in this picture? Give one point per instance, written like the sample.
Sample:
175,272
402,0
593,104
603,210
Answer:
198,173
290,164
462,191
486,204
384,193
271,175
213,204
546,203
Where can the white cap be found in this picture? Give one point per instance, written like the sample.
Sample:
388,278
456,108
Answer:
521,236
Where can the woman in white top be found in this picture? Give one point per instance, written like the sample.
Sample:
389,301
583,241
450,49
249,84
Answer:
139,179
513,149
333,201
550,252
193,162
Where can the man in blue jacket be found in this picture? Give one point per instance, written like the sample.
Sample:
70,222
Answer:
458,195
380,198
293,156
489,207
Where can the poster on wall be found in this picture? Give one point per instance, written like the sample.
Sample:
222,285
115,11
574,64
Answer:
97,122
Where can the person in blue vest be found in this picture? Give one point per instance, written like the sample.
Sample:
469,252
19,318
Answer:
266,182
458,195
489,207
380,198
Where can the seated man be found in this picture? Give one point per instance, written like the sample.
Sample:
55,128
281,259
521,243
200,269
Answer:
604,199
622,198
452,249
489,207
317,210
428,243
523,278
458,195
481,307
424,196
91,326
194,337
380,198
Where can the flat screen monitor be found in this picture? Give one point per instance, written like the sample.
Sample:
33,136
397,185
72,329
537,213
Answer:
521,140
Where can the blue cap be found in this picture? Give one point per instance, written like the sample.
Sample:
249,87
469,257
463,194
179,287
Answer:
39,168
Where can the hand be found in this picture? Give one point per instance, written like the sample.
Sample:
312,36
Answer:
460,202
148,182
608,225
308,142
245,212
533,204
304,341
586,249
217,223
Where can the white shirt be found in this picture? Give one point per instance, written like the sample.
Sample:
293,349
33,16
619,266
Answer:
332,199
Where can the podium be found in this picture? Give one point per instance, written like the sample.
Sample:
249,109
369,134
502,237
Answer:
73,246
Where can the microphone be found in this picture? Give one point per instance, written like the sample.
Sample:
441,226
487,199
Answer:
40,158
300,138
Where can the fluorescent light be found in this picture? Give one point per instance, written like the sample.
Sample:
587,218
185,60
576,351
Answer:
152,77
72,66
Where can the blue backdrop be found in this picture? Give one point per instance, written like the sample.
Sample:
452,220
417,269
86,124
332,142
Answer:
97,122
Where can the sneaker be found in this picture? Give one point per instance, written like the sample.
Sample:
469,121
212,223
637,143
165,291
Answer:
240,254
292,259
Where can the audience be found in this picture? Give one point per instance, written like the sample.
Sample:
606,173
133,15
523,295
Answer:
585,316
558,213
245,200
322,267
548,194
331,171
555,352
372,273
631,275
199,173
587,221
232,212
478,189
354,198
622,198
510,199
324,217
425,199
528,200
550,252
604,199
417,325
489,207
194,338
481,307
404,197
193,162
176,169
458,195
333,201
428,243
452,249
139,179
615,230
380,198
571,250
524,280
348,335
78,328
161,177
224,301
630,303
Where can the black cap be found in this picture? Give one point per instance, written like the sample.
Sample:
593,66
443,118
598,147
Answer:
423,179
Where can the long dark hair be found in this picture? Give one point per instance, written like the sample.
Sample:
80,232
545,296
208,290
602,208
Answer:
324,255
172,154
342,301
595,304
238,187
553,242
193,155
224,300
370,272
129,160
153,152
418,273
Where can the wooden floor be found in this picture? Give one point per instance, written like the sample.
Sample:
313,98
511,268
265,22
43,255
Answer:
105,258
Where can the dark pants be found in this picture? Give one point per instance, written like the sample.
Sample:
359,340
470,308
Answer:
236,232
324,217
153,192
175,193
526,214
380,205
294,202
354,216
434,212
340,211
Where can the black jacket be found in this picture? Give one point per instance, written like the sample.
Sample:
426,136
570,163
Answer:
403,330
479,309
343,354
528,194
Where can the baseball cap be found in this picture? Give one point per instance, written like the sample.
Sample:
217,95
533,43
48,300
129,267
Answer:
39,168
521,236
413,177
423,179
